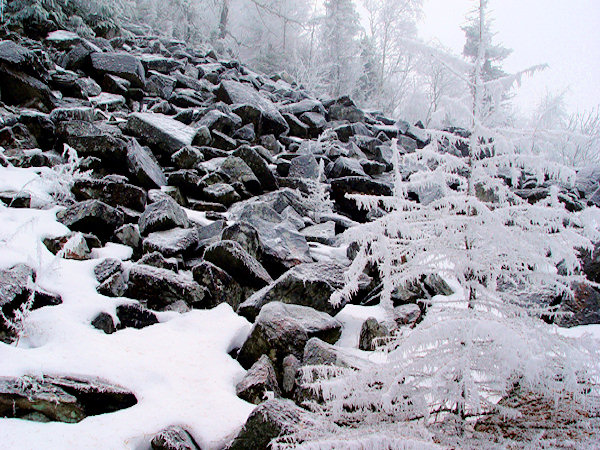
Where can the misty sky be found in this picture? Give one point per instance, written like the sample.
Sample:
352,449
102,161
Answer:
565,34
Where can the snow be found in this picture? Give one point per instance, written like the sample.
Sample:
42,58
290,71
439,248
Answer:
582,331
179,369
353,317
198,217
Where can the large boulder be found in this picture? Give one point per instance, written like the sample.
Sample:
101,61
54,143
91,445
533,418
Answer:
356,185
163,215
237,171
97,139
162,287
306,284
122,65
258,165
60,399
162,132
231,257
345,109
281,330
92,216
252,107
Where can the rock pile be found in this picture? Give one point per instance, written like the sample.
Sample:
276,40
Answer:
211,173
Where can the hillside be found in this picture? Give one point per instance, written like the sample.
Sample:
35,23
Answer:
172,228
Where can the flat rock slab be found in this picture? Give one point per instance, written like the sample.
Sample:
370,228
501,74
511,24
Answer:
143,168
122,65
164,214
166,134
177,241
60,399
92,216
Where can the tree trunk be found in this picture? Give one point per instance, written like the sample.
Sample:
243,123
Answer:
224,19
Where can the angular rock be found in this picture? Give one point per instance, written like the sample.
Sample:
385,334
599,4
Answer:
356,185
220,286
16,288
246,235
305,166
129,234
93,139
143,168
346,167
254,108
104,322
269,420
19,88
107,268
163,132
323,233
177,241
258,165
221,193
345,109
188,158
163,215
174,438
231,257
281,330
238,171
407,315
155,259
161,287
372,334
259,381
69,246
110,192
582,309
122,65
92,216
135,316
306,284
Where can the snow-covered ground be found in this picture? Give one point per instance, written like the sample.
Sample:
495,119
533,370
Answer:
179,369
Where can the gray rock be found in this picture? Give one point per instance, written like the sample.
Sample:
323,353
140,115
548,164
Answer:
97,139
253,108
163,215
220,286
304,106
160,63
107,268
306,284
160,131
135,316
281,330
356,185
160,85
258,381
345,109
246,235
174,438
202,137
16,287
221,141
104,322
156,259
162,287
231,257
305,166
61,399
143,168
177,241
372,334
64,114
129,234
407,315
323,233
268,421
291,365
92,216
19,88
110,192
316,123
258,165
221,193
320,353
219,121
582,309
78,247
122,65
188,158
346,167
238,171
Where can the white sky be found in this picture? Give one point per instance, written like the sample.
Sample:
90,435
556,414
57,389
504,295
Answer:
565,34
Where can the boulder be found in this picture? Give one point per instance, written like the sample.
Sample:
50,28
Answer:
356,185
372,334
221,193
123,65
97,139
407,315
305,166
135,316
220,286
281,330
92,216
309,284
238,171
346,167
155,259
163,215
70,246
246,235
253,107
258,165
231,257
345,109
104,322
582,309
174,438
177,241
323,233
16,288
111,192
60,399
19,88
188,158
259,382
162,287
163,132
269,420
142,166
